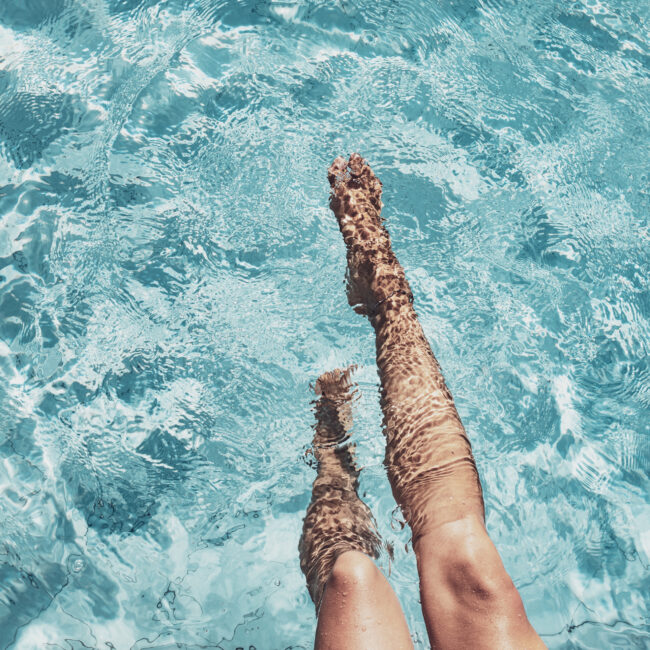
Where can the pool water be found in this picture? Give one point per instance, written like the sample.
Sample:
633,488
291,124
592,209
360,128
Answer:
171,282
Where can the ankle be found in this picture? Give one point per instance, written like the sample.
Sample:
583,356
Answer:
399,300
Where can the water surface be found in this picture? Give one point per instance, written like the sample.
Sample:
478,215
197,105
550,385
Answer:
171,281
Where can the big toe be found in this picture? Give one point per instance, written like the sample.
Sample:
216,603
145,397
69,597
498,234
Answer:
338,170
356,164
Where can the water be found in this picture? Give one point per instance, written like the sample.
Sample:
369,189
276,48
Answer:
171,283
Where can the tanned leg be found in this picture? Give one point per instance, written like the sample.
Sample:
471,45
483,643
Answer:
357,609
468,599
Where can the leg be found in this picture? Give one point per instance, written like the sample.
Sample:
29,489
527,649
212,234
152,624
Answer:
468,599
357,609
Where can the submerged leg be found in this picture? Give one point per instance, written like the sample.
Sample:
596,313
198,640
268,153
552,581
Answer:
468,599
356,606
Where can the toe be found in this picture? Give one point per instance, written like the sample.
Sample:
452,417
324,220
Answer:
357,165
335,382
337,170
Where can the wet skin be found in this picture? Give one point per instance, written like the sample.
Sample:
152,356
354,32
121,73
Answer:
468,599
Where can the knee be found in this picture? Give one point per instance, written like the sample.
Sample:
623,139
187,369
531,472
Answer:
353,571
468,567
474,578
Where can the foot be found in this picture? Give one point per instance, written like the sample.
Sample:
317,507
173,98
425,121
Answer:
332,408
333,426
374,274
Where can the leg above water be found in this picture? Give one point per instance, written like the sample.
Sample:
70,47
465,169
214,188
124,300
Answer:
360,611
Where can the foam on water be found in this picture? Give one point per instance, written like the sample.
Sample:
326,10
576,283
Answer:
171,283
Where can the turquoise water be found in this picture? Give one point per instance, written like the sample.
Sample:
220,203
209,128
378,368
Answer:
171,281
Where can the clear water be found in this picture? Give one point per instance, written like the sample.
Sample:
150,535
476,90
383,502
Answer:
171,283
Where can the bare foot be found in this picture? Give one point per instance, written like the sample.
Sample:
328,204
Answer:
333,412
374,274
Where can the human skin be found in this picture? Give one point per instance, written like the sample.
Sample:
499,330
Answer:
468,599
357,608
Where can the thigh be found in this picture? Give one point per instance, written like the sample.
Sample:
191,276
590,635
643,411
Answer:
359,609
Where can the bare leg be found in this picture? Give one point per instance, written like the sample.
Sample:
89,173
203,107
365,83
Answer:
468,599
357,609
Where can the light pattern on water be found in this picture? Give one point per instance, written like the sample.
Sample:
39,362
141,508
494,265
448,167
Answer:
171,283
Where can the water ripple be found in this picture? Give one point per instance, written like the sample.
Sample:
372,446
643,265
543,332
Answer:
171,281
